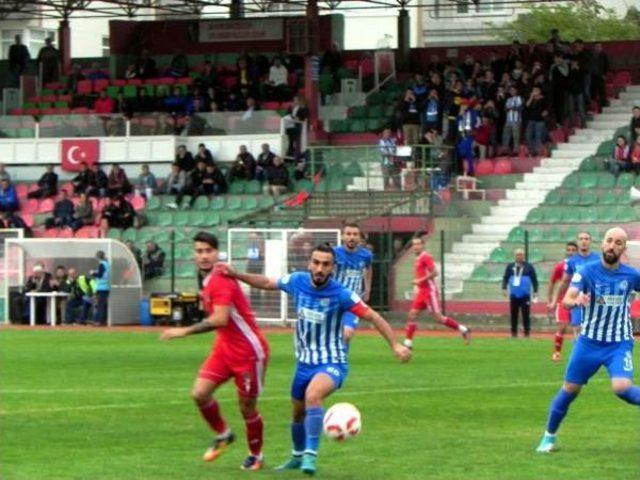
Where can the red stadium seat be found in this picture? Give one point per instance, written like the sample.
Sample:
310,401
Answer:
81,110
138,203
46,206
65,233
503,167
229,82
17,111
118,82
367,67
62,111
32,111
88,232
484,167
49,111
65,98
271,105
53,86
134,81
84,87
166,81
292,79
51,233
100,84
622,79
612,92
523,151
185,81
49,98
22,189
557,135
28,219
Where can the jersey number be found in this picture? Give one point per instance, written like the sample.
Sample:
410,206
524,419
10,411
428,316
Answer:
627,364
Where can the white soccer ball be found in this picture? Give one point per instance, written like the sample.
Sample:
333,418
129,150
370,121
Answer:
342,421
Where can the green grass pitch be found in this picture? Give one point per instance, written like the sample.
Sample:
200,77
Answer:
103,405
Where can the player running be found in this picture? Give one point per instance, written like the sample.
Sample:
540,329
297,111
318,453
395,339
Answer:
582,257
240,352
562,314
353,271
603,289
427,295
321,354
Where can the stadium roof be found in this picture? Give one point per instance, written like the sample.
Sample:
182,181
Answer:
60,9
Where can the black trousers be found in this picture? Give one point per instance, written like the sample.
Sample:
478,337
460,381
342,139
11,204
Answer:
518,304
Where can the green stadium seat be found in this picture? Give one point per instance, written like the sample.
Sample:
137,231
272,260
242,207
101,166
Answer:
184,252
536,216
375,98
625,180
553,215
339,126
130,91
217,203
198,218
571,198
145,234
554,197
152,218
376,111
605,148
353,170
186,202
165,219
606,180
112,91
234,203
201,203
253,187
571,181
304,185
536,235
588,180
375,124
250,203
499,255
181,219
154,203
480,273
607,197
237,187
358,126
626,214
554,234
588,165
535,255
588,197
186,269
129,234
516,235
266,202
114,233
358,112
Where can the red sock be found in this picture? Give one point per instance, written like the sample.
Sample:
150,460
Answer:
451,323
558,341
254,428
211,413
410,330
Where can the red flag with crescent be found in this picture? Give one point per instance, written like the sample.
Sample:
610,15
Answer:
77,152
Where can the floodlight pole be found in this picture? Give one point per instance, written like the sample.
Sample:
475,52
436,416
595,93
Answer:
173,261
64,42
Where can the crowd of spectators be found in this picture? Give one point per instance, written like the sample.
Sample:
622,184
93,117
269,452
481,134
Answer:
484,106
626,151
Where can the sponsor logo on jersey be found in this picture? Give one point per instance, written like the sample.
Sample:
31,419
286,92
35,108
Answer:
576,277
312,316
610,300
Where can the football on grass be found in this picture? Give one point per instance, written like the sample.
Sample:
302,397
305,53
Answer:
342,421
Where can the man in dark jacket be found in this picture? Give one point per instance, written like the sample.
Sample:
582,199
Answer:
18,60
264,161
277,178
62,213
153,261
47,185
244,167
634,127
518,282
39,281
79,289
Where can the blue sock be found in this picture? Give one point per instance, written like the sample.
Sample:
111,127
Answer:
631,395
313,428
558,410
299,438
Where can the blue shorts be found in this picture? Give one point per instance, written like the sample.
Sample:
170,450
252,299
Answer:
576,316
350,320
305,373
589,355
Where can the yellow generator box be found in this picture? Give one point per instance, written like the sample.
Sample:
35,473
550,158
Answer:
160,306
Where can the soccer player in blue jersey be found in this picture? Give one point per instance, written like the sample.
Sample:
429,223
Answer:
353,271
582,257
603,290
321,354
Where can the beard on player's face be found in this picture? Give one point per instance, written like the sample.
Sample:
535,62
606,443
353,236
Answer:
319,278
610,257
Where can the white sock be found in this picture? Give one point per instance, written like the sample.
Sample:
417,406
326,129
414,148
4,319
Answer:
547,434
462,328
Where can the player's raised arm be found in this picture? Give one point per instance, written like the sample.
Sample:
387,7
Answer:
575,298
370,315
252,279
204,326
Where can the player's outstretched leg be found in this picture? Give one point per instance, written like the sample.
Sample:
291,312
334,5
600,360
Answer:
298,438
410,328
453,325
557,412
254,428
210,411
558,339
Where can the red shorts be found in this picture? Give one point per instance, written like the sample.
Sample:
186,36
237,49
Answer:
426,299
562,314
248,375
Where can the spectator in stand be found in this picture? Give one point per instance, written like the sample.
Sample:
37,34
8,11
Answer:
213,181
63,211
332,61
193,185
96,73
124,106
179,66
146,184
74,77
576,86
13,220
204,155
59,278
598,68
176,182
620,161
19,58
38,281
634,127
482,138
131,72
118,183
390,168
144,103
436,155
277,178
248,113
146,66
100,182
4,175
244,166
277,83
79,289
208,76
264,161
47,185
153,261
49,62
513,121
184,159
83,214
432,113
118,213
420,88
176,103
536,110
8,197
83,180
135,251
296,115
246,77
453,98
410,118
634,157
104,105
558,77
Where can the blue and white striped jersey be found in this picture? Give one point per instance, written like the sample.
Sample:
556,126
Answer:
318,336
351,266
576,260
607,317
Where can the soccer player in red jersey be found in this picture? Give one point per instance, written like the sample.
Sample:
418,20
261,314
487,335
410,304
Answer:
563,316
240,352
426,295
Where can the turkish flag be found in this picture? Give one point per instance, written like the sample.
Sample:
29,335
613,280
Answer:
77,153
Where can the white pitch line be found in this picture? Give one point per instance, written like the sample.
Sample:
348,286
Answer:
283,398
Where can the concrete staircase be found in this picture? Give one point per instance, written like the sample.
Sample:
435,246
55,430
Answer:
532,190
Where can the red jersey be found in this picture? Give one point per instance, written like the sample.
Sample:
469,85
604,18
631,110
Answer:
241,339
424,265
556,276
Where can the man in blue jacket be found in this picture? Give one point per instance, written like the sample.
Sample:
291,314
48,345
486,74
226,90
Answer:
8,197
102,287
519,281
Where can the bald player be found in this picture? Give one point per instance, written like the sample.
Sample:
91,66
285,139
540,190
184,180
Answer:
603,291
